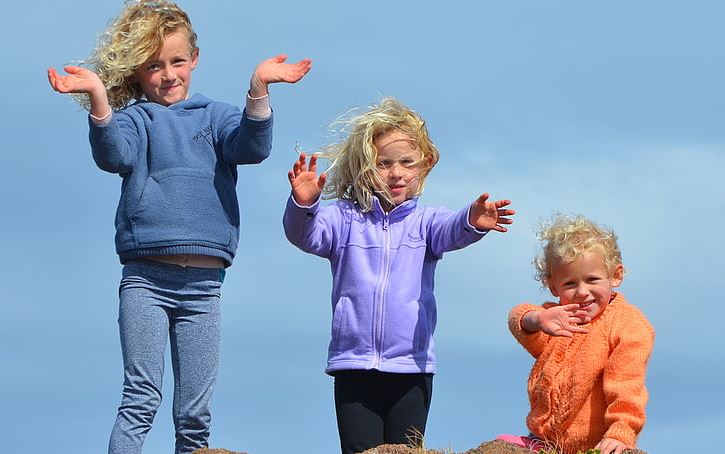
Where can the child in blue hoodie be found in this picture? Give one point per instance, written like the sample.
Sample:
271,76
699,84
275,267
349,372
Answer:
177,223
383,249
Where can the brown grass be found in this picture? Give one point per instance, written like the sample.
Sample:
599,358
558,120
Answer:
489,447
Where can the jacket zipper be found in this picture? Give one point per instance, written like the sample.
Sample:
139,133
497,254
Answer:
383,287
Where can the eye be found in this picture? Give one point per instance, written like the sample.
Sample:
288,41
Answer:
153,67
408,163
384,165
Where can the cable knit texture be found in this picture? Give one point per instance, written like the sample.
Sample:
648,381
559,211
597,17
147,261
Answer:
591,386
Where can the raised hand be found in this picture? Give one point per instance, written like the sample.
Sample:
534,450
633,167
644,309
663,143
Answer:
563,320
306,185
82,80
275,70
78,80
485,215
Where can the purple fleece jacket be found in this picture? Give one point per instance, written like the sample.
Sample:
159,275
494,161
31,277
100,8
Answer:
383,267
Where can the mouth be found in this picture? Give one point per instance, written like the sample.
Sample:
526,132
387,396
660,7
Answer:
397,191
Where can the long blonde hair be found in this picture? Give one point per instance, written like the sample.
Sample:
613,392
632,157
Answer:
352,174
132,38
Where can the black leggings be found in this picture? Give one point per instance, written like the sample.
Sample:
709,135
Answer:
375,408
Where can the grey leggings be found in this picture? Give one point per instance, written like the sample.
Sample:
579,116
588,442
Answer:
159,302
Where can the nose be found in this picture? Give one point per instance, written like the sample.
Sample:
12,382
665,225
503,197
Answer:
581,291
168,73
396,170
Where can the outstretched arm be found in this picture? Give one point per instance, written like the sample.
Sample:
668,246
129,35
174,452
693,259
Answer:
306,185
274,70
82,80
485,215
556,320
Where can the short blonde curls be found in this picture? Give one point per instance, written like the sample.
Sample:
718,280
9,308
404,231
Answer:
352,174
131,39
568,237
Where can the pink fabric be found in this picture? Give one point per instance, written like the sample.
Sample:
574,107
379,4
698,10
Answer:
524,442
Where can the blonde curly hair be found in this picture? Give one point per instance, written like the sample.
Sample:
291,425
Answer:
568,237
132,38
352,174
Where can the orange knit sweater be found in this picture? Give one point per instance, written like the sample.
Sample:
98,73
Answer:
591,386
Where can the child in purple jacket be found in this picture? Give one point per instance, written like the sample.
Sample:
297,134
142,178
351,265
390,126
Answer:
383,249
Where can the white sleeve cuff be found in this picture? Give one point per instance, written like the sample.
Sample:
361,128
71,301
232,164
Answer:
258,108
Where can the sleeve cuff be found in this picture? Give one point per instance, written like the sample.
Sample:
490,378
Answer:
258,108
101,121
468,223
314,205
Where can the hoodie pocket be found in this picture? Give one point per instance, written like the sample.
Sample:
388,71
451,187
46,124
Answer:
181,205
350,332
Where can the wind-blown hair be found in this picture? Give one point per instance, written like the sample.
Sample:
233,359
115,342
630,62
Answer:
131,39
352,174
568,237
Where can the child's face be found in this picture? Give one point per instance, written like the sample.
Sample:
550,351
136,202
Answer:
166,76
585,281
398,163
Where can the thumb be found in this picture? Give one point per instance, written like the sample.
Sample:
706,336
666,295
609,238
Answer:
482,198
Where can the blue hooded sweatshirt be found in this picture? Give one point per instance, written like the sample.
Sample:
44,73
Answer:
178,165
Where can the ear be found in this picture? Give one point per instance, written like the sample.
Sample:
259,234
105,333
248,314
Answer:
617,276
553,290
194,57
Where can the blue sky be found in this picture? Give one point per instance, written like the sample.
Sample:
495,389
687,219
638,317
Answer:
614,110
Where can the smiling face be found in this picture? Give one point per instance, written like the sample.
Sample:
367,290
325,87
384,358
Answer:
165,77
398,163
585,281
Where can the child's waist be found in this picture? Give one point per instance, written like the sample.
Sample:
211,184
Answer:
193,260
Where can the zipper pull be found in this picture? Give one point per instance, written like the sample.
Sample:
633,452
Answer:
386,222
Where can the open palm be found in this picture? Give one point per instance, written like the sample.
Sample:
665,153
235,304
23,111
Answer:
78,80
306,185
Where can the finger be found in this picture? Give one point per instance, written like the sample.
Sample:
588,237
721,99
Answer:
302,161
52,76
322,180
72,69
577,329
482,198
313,164
291,176
299,165
306,63
281,58
502,203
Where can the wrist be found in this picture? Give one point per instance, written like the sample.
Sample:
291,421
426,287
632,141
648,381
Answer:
257,87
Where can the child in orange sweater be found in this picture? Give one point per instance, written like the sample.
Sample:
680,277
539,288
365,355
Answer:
587,385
